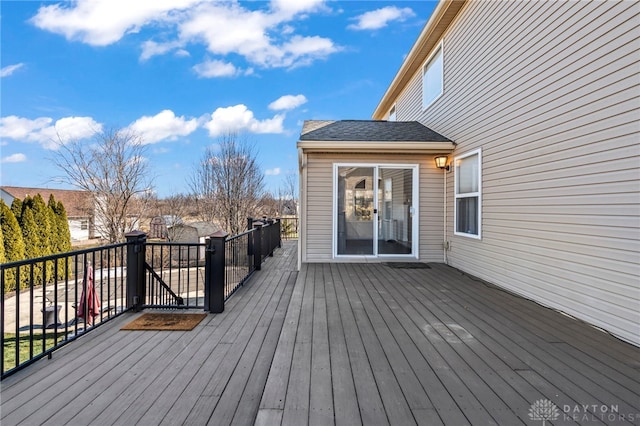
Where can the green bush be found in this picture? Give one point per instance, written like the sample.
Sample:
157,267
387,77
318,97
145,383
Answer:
60,235
13,244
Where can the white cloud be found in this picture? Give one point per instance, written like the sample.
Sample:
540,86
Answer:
14,158
164,125
151,48
215,68
264,36
272,172
10,69
379,18
239,118
102,22
300,51
287,102
161,150
290,8
48,135
18,128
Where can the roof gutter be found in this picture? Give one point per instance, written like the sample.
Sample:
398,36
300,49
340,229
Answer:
438,23
377,146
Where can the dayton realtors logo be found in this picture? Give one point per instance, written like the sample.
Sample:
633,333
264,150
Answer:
544,410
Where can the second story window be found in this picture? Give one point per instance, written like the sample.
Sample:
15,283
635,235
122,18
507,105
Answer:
392,114
432,78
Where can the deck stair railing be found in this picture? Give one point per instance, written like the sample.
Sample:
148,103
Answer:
50,301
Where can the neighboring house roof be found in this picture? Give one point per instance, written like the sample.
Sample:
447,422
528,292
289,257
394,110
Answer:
203,229
371,136
369,130
76,203
167,219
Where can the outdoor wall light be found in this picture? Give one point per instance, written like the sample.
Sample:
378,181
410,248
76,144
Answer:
441,162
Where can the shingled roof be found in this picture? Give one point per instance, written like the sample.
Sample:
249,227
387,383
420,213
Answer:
369,130
76,203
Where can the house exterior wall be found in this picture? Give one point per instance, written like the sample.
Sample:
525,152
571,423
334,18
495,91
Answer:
552,101
76,230
74,203
317,224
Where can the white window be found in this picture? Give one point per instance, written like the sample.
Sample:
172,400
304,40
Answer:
432,78
84,224
468,190
392,114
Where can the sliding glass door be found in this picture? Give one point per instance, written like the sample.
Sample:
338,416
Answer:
375,210
395,195
356,212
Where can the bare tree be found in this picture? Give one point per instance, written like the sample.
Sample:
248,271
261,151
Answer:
228,183
270,206
113,169
290,191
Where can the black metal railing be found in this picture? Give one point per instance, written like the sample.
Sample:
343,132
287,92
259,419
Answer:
175,275
268,238
50,301
239,264
289,228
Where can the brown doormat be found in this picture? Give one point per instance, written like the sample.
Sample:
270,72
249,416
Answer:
166,321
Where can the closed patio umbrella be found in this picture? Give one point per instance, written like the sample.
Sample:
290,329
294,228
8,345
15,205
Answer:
89,305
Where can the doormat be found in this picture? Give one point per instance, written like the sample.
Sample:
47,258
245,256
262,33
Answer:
407,265
165,321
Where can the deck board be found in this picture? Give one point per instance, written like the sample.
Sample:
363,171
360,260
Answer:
321,393
341,344
345,399
368,397
562,369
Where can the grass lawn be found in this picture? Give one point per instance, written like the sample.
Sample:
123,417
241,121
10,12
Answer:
25,345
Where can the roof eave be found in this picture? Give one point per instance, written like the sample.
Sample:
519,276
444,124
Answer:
444,13
398,147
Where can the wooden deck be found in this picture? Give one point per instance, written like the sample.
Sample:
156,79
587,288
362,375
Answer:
340,344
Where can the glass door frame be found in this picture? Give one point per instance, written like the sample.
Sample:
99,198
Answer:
414,210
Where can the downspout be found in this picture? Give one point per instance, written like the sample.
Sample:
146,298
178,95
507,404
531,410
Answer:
302,205
445,244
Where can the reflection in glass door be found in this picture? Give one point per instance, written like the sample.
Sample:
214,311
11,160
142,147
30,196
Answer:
355,210
374,210
395,196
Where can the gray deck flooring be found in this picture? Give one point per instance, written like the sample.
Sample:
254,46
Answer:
340,344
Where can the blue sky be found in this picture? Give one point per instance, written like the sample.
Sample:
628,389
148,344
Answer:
181,72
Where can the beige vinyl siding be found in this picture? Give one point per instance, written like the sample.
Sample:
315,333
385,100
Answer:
320,204
552,101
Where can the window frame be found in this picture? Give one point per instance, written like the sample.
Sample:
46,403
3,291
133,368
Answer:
438,50
477,194
393,113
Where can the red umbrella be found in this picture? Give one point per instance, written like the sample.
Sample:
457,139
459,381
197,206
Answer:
91,303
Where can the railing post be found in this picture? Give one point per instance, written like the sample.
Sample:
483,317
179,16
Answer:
279,230
214,269
257,245
136,285
270,238
249,240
